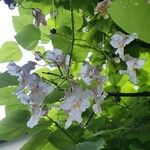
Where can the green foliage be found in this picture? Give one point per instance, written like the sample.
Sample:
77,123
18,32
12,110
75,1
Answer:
13,125
131,16
10,51
124,121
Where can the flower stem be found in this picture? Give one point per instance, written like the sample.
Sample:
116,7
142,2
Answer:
140,94
72,36
63,130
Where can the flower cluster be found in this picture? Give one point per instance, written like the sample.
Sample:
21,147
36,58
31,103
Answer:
77,99
54,58
31,90
119,41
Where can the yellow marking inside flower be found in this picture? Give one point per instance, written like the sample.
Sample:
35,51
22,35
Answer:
76,105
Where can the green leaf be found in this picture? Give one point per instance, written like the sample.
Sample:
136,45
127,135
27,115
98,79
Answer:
79,53
62,40
38,141
14,125
20,21
7,97
64,141
86,146
104,25
44,5
28,37
7,80
10,51
132,16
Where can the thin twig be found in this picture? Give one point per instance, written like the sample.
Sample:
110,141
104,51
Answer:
62,129
140,94
60,71
72,36
54,74
88,121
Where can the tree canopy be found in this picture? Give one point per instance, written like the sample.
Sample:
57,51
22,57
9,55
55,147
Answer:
93,91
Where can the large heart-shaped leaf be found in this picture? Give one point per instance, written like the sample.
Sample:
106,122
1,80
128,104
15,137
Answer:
132,16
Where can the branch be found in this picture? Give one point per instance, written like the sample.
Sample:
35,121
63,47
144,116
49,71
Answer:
64,131
54,74
72,35
140,94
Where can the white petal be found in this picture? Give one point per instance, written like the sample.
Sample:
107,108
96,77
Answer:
133,77
23,97
13,69
117,40
120,52
33,121
139,64
131,38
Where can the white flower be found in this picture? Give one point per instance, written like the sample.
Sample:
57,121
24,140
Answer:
76,102
37,113
55,57
24,98
39,89
132,65
120,40
22,72
13,69
99,96
89,73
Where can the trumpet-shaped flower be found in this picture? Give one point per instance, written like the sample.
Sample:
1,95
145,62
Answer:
22,72
89,73
132,65
37,113
57,58
75,103
39,89
99,96
120,40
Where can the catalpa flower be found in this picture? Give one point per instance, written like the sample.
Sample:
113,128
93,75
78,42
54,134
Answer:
99,96
39,17
89,73
132,65
22,72
102,8
75,103
39,89
120,40
32,89
37,113
57,58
